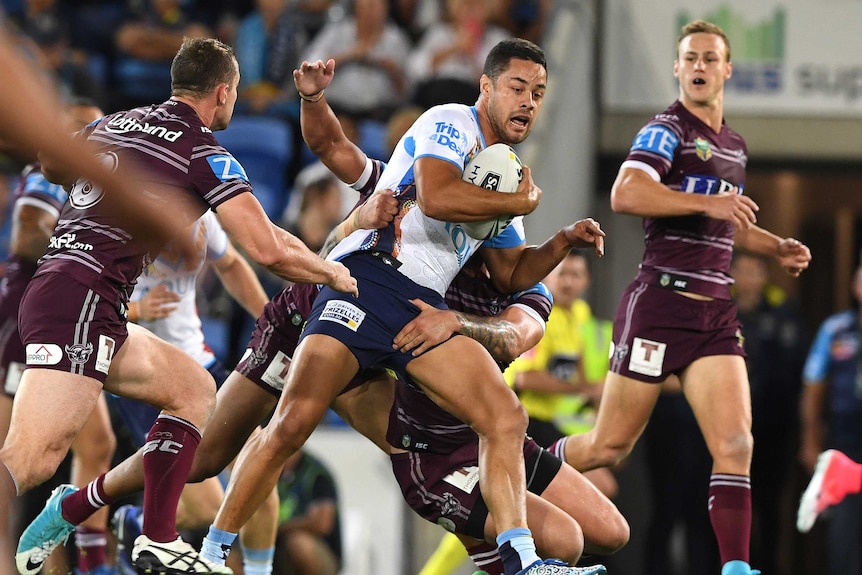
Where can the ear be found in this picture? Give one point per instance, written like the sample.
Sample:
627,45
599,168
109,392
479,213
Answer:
221,94
729,72
485,84
676,68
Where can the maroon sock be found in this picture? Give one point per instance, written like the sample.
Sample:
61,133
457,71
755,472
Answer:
90,544
486,558
78,506
730,515
168,456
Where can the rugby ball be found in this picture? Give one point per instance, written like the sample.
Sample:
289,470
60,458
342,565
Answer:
498,168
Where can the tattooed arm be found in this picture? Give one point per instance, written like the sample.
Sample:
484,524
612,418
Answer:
506,335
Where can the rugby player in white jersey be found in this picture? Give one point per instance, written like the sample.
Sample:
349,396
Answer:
416,257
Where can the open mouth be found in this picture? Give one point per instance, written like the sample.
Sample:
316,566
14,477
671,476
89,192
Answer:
699,82
520,121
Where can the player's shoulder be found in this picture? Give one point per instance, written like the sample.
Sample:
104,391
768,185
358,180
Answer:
839,322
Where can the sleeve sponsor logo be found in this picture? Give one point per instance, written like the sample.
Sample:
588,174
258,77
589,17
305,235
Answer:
343,312
85,194
43,354
656,139
226,167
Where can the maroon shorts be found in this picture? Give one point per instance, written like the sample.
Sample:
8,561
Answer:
66,326
444,488
11,356
658,332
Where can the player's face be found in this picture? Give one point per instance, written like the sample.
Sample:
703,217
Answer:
515,99
225,113
702,68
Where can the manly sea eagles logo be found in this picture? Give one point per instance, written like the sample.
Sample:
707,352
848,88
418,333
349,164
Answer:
79,352
450,505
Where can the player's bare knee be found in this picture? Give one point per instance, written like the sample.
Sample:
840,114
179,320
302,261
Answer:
615,536
734,451
570,544
513,424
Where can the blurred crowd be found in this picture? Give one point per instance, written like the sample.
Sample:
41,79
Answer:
395,58
391,54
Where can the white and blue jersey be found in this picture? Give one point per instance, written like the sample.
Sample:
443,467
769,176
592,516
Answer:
836,357
430,252
183,327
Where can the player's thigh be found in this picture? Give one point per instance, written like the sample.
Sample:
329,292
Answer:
147,368
624,410
366,408
718,391
461,377
322,366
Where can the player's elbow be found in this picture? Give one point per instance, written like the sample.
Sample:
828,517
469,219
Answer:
621,200
432,207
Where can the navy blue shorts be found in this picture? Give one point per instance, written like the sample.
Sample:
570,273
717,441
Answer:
369,323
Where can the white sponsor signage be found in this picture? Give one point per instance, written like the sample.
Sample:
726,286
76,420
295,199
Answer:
792,57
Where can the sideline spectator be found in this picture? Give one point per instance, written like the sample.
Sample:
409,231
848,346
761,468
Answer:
309,526
446,64
370,52
832,419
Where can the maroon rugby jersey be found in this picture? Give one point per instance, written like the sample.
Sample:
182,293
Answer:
33,190
416,423
174,148
685,154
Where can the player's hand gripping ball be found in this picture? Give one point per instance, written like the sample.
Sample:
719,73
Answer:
497,168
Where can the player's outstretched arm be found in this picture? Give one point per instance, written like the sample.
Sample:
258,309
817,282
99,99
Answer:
506,335
277,250
518,268
240,281
378,210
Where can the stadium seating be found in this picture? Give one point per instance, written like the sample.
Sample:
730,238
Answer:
264,147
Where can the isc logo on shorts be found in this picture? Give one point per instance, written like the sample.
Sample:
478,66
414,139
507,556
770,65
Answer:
43,354
344,313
